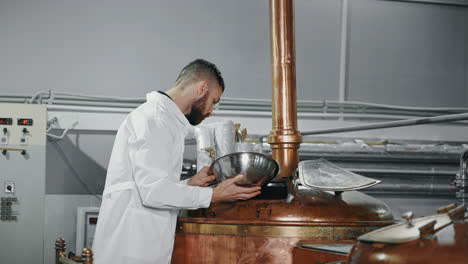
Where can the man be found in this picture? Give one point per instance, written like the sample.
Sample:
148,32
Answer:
143,191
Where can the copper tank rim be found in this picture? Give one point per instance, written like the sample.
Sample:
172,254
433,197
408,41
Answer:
203,220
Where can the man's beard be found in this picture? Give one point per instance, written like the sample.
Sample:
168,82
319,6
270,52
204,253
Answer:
195,116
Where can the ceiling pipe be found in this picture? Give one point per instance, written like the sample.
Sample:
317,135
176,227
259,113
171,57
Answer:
391,124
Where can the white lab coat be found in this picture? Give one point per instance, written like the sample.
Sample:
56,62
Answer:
143,191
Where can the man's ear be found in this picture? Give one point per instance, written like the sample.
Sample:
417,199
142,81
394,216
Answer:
202,89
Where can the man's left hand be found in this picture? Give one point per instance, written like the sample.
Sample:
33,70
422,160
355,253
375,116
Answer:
203,178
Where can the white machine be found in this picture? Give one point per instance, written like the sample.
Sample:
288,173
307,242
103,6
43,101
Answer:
38,191
86,220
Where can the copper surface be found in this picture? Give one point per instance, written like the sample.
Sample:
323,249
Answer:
306,256
246,248
427,230
446,209
450,245
315,207
457,214
284,138
257,230
196,248
268,230
247,221
265,231
87,256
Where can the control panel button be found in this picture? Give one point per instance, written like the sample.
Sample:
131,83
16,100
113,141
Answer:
4,138
9,188
23,140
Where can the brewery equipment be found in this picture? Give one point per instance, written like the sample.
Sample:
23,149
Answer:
440,238
265,229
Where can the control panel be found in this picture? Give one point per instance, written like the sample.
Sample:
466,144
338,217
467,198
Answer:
22,124
22,182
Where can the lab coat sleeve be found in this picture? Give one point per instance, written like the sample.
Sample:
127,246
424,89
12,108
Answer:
150,152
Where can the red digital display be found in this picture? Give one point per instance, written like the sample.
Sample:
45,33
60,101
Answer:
6,121
25,122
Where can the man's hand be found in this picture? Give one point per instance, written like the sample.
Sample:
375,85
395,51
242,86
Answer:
229,191
203,178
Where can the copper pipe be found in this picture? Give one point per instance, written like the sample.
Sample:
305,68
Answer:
284,137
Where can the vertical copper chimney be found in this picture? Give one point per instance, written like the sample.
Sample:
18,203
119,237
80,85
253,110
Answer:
284,138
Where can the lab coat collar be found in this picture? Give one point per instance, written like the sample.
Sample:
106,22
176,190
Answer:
173,108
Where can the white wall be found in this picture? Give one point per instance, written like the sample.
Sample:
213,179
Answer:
128,48
408,53
399,52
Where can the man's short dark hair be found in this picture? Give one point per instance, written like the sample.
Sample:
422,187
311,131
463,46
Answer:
200,68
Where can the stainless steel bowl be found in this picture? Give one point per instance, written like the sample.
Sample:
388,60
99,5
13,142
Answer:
257,168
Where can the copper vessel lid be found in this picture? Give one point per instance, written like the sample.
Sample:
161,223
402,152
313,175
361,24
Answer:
410,230
307,207
429,240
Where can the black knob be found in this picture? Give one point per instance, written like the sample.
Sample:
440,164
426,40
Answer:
23,152
9,187
25,131
5,130
4,152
